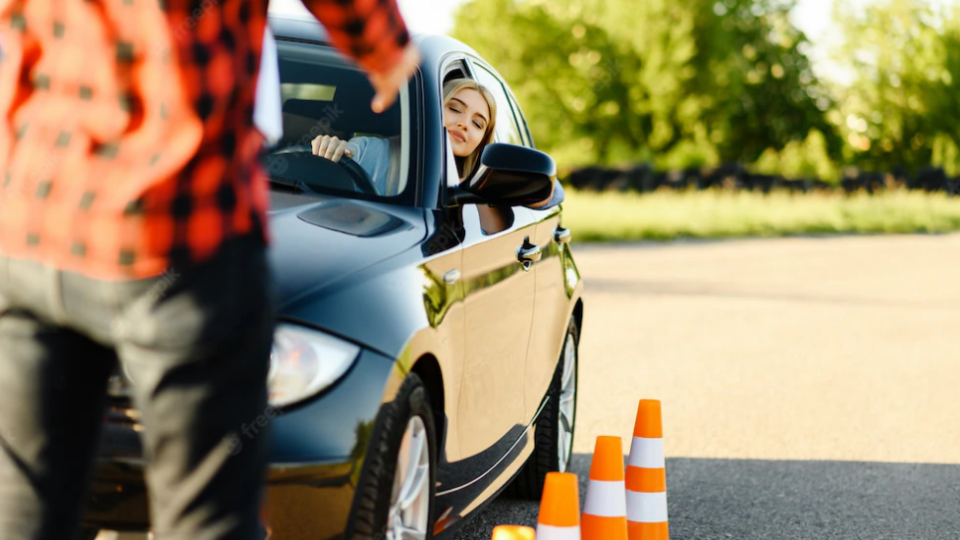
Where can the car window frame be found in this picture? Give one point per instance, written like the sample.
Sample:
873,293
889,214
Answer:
524,129
506,93
525,216
445,67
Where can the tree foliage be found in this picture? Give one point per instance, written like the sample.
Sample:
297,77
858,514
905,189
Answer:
902,108
610,81
702,82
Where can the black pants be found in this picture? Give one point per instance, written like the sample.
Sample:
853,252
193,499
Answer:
195,342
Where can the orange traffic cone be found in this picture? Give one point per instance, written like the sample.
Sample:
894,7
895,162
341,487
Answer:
512,532
647,476
559,517
605,511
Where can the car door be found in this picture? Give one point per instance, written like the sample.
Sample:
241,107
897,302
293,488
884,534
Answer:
498,306
551,307
552,302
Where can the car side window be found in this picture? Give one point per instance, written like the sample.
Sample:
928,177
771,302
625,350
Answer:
507,130
493,220
480,220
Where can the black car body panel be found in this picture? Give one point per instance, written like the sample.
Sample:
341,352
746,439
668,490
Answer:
315,457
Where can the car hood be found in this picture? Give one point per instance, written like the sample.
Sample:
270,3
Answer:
318,241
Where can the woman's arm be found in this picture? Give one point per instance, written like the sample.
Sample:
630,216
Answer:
371,153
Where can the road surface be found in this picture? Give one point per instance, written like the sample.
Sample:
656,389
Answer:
810,386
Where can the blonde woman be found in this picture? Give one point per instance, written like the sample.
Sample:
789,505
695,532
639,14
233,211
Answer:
469,114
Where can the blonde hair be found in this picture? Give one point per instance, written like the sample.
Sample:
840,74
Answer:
467,164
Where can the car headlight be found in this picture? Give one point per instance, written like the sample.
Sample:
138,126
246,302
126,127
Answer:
303,362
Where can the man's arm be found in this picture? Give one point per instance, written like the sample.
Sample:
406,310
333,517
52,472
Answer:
373,33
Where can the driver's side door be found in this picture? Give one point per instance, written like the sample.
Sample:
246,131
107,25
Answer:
498,308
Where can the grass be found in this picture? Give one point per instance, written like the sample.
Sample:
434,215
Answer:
668,215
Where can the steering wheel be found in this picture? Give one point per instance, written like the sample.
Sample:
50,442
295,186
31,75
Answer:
358,175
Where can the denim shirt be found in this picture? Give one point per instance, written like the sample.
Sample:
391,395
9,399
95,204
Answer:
373,154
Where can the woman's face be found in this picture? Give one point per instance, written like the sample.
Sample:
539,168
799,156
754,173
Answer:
465,116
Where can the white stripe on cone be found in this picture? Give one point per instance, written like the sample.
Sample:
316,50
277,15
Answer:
646,507
550,532
646,453
605,499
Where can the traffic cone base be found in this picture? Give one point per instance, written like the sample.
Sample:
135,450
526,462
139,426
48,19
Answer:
552,532
649,531
604,528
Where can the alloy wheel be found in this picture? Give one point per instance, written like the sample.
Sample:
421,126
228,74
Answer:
410,503
568,403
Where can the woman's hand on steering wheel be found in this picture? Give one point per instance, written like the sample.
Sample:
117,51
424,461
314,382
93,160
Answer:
333,149
330,147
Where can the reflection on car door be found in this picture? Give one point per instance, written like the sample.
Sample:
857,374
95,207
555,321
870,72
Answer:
498,306
550,311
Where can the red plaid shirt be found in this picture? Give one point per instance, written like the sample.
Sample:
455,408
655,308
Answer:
127,143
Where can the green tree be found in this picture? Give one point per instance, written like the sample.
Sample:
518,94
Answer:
902,107
761,87
800,159
680,83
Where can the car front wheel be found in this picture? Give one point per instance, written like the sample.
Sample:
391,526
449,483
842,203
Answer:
396,489
555,425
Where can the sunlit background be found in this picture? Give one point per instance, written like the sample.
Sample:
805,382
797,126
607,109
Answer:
814,17
656,98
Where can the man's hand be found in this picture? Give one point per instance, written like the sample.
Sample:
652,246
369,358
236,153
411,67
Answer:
388,84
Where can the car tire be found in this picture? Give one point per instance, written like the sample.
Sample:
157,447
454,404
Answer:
546,456
399,430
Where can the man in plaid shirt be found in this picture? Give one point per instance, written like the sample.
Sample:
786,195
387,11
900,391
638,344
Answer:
132,229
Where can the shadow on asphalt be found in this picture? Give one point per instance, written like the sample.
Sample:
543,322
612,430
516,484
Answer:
771,500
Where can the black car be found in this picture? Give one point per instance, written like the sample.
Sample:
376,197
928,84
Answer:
421,364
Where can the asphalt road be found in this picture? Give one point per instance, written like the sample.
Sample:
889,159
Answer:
810,387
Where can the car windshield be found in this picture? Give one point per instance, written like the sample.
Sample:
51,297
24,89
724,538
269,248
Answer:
323,94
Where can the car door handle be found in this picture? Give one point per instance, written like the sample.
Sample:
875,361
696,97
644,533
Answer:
528,253
451,277
561,235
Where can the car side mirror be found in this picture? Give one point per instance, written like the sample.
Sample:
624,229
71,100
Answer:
508,175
